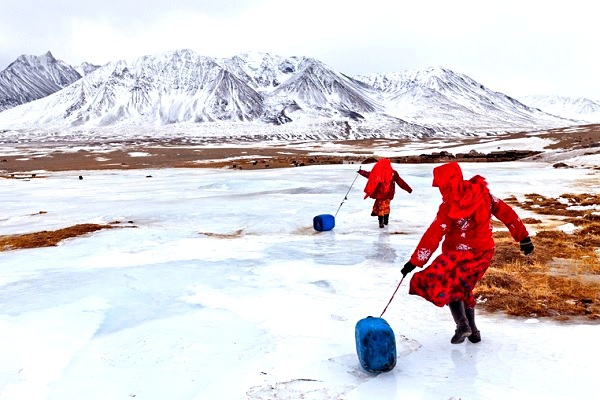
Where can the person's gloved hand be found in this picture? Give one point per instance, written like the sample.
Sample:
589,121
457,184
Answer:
526,246
408,268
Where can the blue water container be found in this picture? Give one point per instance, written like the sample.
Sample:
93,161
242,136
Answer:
323,222
375,345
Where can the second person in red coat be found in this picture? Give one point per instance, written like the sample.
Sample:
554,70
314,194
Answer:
381,186
464,221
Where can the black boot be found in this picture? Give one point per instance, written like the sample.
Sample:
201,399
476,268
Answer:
380,218
475,336
386,219
463,330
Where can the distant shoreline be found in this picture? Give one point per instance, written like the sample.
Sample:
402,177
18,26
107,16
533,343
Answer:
231,158
31,158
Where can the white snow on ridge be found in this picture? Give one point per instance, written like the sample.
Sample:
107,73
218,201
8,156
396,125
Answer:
575,108
184,87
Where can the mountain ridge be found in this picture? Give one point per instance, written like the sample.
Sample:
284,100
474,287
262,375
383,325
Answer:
182,86
29,78
570,107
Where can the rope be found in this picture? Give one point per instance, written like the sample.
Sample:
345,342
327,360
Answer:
346,196
392,298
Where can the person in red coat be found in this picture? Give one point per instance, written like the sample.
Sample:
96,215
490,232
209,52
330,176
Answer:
464,221
381,186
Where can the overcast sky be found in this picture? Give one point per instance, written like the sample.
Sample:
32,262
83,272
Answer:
516,47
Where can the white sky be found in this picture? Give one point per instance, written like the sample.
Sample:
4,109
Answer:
515,47
172,310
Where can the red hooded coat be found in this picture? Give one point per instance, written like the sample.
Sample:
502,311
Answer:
382,177
464,221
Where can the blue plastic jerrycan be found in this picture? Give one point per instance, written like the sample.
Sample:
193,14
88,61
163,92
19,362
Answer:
375,345
323,222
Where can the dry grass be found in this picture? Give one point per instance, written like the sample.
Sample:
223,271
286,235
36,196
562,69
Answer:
561,279
49,238
235,235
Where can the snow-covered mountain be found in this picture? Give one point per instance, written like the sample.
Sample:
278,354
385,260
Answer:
30,78
262,71
445,99
182,86
567,107
301,85
86,68
317,87
302,93
178,86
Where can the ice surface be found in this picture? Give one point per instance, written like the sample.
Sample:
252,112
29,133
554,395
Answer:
221,289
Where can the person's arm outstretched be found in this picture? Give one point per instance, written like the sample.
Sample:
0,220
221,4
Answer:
515,226
400,182
364,173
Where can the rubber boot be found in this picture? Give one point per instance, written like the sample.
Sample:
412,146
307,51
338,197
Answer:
380,218
463,330
475,336
386,219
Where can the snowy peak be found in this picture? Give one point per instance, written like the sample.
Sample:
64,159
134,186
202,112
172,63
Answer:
86,68
434,78
262,71
30,78
317,86
444,98
567,107
178,86
182,86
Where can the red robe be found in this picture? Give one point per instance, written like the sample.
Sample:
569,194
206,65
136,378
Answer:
464,221
381,186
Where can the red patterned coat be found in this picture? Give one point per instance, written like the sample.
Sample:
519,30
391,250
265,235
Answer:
463,220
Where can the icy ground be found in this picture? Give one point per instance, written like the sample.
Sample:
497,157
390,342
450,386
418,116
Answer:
219,288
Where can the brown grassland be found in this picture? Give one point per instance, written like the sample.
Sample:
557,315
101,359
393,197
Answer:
561,279
46,238
52,238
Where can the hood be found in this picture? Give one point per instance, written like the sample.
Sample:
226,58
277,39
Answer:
380,180
464,196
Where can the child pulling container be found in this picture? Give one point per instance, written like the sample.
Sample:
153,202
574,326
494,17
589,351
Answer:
381,186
